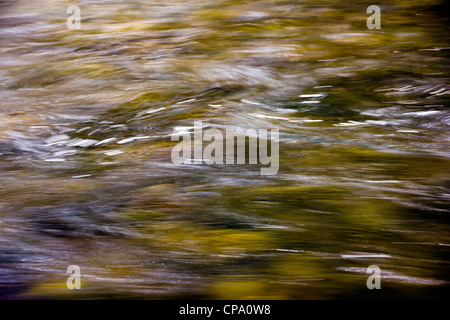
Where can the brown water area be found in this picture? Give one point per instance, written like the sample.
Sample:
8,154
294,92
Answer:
86,176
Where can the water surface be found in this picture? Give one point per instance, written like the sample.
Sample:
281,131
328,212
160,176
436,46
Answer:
86,176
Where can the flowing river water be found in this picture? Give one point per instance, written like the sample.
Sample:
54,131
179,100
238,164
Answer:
86,176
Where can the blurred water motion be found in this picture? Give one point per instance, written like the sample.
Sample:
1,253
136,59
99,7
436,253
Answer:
86,177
